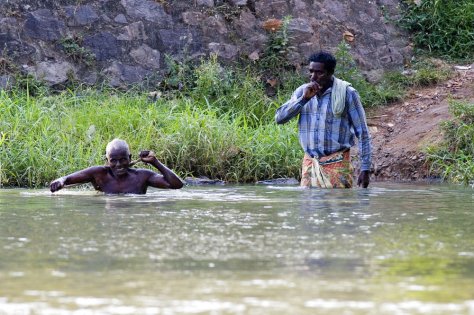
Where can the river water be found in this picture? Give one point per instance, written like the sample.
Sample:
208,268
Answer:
390,249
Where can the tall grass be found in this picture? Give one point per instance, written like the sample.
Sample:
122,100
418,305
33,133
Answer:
454,158
46,137
441,27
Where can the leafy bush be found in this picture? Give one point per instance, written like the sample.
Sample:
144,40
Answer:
441,27
72,47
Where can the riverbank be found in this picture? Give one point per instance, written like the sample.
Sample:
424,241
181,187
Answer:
402,131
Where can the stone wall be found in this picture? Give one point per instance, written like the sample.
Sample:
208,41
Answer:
125,41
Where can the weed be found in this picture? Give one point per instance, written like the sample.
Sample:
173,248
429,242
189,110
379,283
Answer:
226,10
277,49
7,66
180,75
72,46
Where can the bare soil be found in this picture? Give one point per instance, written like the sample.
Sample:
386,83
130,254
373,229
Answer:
401,131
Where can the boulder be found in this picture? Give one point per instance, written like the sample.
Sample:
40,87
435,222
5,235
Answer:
80,15
42,24
52,73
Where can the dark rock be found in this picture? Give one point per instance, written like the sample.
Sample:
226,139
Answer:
10,26
151,11
271,9
300,30
225,51
134,31
176,40
238,2
214,25
279,181
14,48
42,24
123,76
207,3
202,181
146,57
104,46
80,15
121,19
184,28
193,18
52,73
246,24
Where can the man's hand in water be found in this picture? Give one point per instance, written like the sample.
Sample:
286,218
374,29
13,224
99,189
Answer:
311,90
364,179
147,156
57,184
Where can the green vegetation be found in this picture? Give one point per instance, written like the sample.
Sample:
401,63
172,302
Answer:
47,136
277,49
445,28
372,95
454,159
210,120
441,27
72,47
394,84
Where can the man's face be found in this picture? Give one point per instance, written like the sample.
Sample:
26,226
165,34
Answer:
319,75
119,161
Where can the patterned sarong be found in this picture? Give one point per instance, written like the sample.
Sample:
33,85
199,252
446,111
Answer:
332,171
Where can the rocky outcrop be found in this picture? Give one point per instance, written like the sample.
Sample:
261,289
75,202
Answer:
125,41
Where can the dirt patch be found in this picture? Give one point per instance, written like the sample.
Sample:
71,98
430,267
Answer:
402,130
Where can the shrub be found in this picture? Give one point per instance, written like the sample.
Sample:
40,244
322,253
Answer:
441,27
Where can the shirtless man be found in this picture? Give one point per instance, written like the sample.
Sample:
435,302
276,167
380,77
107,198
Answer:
117,177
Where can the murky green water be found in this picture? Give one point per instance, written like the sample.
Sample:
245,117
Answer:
392,249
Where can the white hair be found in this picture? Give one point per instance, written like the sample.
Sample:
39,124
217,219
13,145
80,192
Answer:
116,144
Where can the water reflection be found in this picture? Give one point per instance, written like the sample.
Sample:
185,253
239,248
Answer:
391,249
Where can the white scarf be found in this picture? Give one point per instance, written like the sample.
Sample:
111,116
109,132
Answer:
338,96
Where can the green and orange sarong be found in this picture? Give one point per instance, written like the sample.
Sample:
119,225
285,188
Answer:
332,171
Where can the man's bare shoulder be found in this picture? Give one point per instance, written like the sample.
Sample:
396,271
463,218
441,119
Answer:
97,169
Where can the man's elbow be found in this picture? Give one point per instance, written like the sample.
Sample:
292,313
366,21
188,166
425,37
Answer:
279,121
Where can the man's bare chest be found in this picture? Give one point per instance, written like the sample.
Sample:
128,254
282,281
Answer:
130,184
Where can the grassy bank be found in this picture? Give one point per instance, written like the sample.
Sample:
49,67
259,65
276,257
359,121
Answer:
454,158
46,137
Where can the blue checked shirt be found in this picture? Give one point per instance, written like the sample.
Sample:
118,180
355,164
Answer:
320,132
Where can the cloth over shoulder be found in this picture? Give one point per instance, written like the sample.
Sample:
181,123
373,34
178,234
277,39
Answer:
338,96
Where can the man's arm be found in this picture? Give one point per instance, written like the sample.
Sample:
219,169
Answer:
357,117
169,178
79,177
293,107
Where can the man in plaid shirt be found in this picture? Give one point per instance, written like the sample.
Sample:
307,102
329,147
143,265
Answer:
330,117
